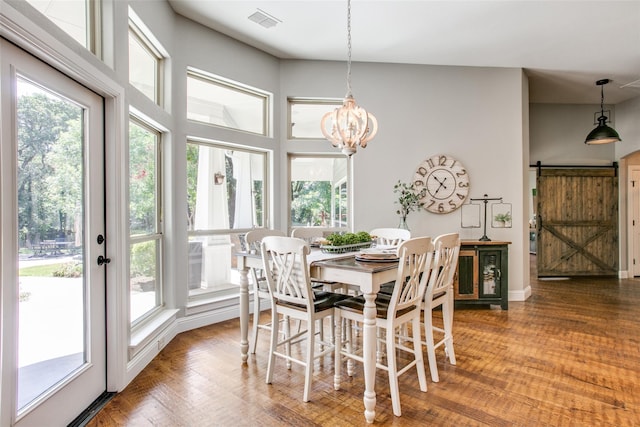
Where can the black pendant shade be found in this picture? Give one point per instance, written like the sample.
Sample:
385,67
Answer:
602,134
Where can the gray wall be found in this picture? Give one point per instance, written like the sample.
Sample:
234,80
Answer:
472,114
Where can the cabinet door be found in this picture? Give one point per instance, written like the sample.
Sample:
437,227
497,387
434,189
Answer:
466,282
490,273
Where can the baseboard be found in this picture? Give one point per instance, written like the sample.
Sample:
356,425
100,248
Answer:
522,295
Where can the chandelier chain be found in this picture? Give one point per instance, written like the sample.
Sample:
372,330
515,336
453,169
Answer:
348,47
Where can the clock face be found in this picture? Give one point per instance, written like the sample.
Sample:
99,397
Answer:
443,182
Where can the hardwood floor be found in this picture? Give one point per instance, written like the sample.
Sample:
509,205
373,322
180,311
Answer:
568,356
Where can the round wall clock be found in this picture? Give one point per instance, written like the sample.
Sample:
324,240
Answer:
442,182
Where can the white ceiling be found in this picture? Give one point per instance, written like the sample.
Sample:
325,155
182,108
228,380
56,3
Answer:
563,45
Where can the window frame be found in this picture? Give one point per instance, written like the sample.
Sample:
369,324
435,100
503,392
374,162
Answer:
293,101
339,183
148,46
266,97
158,234
205,296
92,25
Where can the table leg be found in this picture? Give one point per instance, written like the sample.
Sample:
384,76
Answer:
244,314
369,355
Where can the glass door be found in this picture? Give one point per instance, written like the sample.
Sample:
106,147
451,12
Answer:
53,288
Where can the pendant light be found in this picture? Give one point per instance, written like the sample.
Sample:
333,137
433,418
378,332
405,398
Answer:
351,125
602,134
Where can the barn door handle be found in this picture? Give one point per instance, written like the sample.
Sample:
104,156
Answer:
103,260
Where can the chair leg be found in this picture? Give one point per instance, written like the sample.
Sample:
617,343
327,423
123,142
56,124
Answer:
447,317
393,371
311,345
275,326
256,321
349,349
417,353
337,355
321,330
287,334
431,351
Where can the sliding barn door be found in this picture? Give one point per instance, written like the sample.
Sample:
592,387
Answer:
577,222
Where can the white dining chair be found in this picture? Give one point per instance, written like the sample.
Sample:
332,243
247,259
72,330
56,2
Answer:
402,307
287,273
260,290
439,293
311,235
390,236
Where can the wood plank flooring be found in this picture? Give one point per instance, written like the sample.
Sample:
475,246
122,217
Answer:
568,356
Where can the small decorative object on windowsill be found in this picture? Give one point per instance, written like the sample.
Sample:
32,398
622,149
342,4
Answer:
409,200
218,178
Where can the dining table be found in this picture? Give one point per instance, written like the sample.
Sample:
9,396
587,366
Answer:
333,267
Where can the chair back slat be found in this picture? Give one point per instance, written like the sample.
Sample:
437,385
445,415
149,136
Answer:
390,236
254,237
413,271
445,263
285,264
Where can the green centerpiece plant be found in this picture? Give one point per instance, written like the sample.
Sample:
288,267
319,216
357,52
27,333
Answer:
346,242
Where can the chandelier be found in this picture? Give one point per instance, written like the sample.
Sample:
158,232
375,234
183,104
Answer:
351,125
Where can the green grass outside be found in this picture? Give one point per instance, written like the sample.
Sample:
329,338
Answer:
40,270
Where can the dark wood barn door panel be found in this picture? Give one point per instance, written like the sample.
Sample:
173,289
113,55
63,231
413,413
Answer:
577,222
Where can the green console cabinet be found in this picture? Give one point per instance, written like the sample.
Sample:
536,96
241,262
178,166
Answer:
483,275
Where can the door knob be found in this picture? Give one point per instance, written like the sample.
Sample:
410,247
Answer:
103,260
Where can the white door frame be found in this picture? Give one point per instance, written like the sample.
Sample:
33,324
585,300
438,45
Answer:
87,382
633,220
32,33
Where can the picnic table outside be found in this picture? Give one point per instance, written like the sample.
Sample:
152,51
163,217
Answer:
51,248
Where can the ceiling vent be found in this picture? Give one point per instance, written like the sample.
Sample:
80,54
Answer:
263,18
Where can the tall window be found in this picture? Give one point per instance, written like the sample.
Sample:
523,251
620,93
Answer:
219,102
145,220
304,116
144,64
227,193
74,17
319,193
